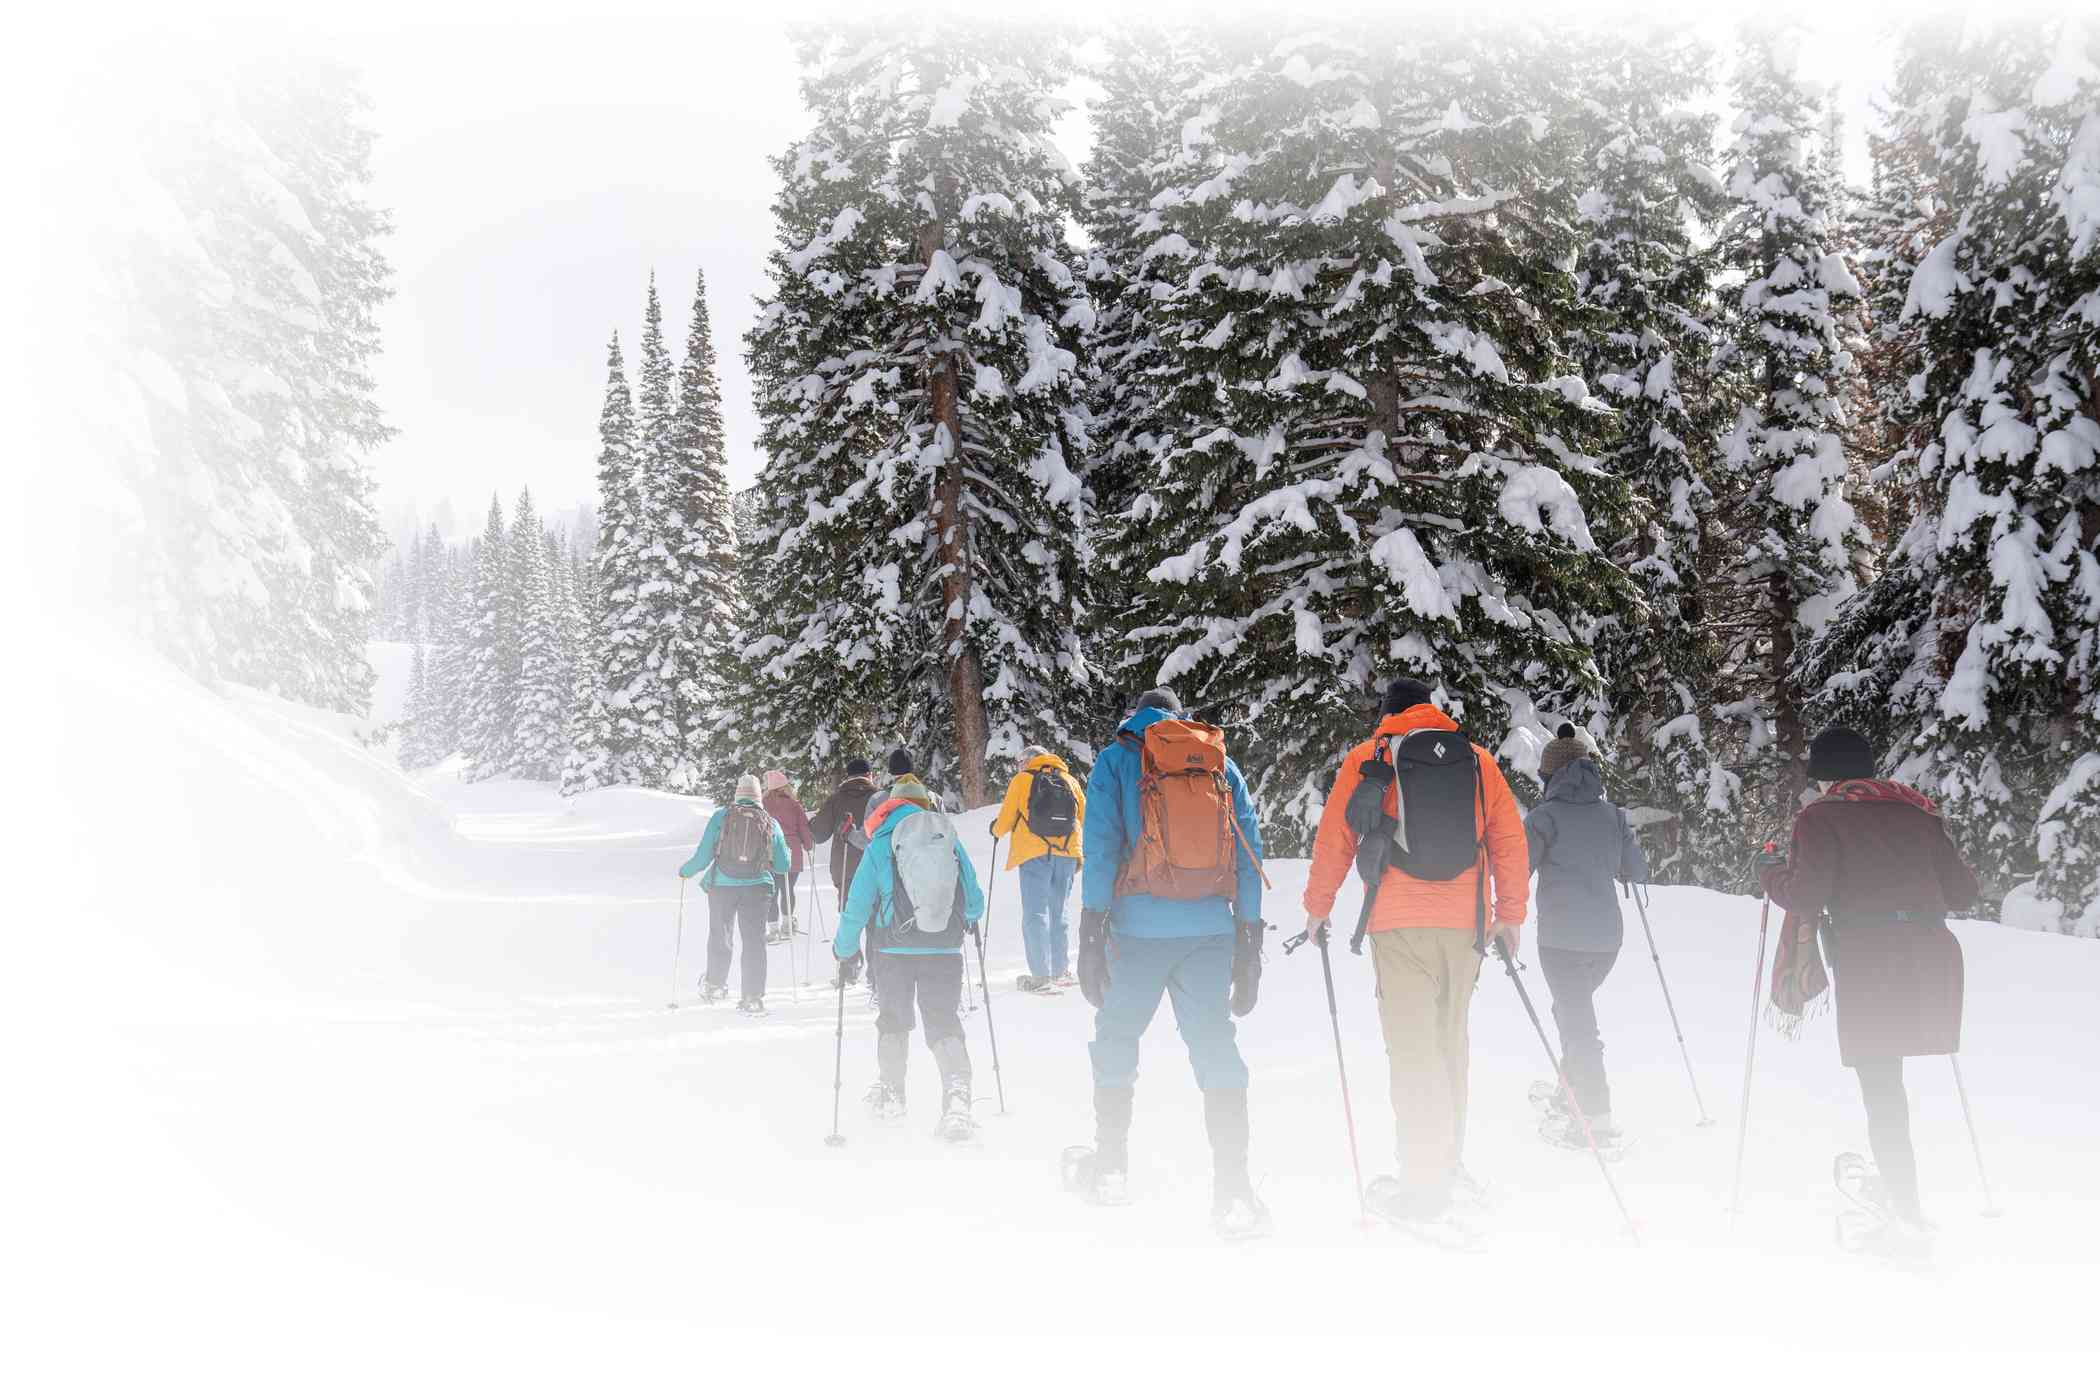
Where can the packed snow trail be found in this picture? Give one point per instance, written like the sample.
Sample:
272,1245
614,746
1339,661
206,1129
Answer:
379,1069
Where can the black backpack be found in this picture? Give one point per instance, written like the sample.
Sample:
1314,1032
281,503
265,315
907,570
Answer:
745,849
1441,793
1053,813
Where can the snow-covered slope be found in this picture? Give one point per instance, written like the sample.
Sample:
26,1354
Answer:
351,1082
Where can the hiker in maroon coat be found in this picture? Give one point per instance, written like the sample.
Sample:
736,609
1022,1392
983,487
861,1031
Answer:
1870,867
782,807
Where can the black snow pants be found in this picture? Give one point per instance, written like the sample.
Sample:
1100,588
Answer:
1888,1129
733,907
1573,979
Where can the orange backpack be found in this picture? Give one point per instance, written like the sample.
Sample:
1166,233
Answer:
1187,831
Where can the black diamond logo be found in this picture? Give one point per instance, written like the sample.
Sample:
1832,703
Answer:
1440,750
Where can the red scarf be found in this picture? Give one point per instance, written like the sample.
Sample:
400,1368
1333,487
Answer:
1799,979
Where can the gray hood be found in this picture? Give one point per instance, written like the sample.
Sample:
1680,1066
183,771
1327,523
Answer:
1579,780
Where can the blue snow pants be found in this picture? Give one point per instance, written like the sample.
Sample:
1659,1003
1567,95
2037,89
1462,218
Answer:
1046,888
1196,973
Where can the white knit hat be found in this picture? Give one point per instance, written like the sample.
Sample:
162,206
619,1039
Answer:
747,787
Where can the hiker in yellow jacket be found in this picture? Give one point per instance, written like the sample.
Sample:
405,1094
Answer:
1042,812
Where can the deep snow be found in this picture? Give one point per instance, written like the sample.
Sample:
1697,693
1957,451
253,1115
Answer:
343,1080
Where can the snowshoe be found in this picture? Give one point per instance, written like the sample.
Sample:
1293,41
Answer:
1065,979
1238,1214
1868,1223
883,1101
1470,1195
751,1006
1567,1133
1429,1220
710,994
957,1125
1041,986
1084,1178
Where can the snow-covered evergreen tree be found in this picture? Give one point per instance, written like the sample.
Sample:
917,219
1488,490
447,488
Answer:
1784,453
488,644
1973,654
699,540
615,736
1642,336
1153,85
1382,466
242,403
422,726
538,740
924,527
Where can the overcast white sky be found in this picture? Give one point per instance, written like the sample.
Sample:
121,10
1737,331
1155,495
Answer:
540,165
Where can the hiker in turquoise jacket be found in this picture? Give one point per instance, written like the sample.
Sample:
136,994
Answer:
919,965
737,898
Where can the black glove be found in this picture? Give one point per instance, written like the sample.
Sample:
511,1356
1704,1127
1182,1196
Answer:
1093,956
849,970
1246,965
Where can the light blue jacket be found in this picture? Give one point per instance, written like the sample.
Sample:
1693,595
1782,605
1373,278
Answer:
1111,833
869,897
704,854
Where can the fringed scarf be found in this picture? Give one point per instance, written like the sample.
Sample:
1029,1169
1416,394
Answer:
1800,981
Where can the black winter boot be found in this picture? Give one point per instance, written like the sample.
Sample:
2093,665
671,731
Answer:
1235,1211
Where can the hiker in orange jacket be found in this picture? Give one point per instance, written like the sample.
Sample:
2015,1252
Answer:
1427,939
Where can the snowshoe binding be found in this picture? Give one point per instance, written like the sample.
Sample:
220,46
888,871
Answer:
711,995
1868,1222
1085,1177
1427,1219
1236,1213
883,1101
751,1006
1041,986
957,1125
1567,1133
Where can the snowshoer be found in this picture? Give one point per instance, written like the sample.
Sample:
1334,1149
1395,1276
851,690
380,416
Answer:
1170,896
1431,822
782,806
741,853
915,894
1043,812
1870,868
839,820
1580,844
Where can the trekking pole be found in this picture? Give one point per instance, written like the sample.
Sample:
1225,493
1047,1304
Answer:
838,1072
1742,1127
794,979
1334,1018
1990,1202
1567,1092
990,1028
678,945
1640,902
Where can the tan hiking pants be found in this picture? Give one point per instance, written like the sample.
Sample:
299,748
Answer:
1425,991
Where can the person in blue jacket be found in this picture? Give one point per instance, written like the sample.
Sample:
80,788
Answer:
1135,948
739,885
921,965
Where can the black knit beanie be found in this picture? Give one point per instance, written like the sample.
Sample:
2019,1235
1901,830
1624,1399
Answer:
856,768
1404,694
1837,754
900,762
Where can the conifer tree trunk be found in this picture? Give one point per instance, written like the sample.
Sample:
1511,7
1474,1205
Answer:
965,672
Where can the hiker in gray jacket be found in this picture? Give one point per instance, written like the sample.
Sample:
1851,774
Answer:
1580,845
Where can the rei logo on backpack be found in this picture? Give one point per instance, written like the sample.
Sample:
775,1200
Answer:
745,850
1435,834
1053,812
926,884
1188,838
